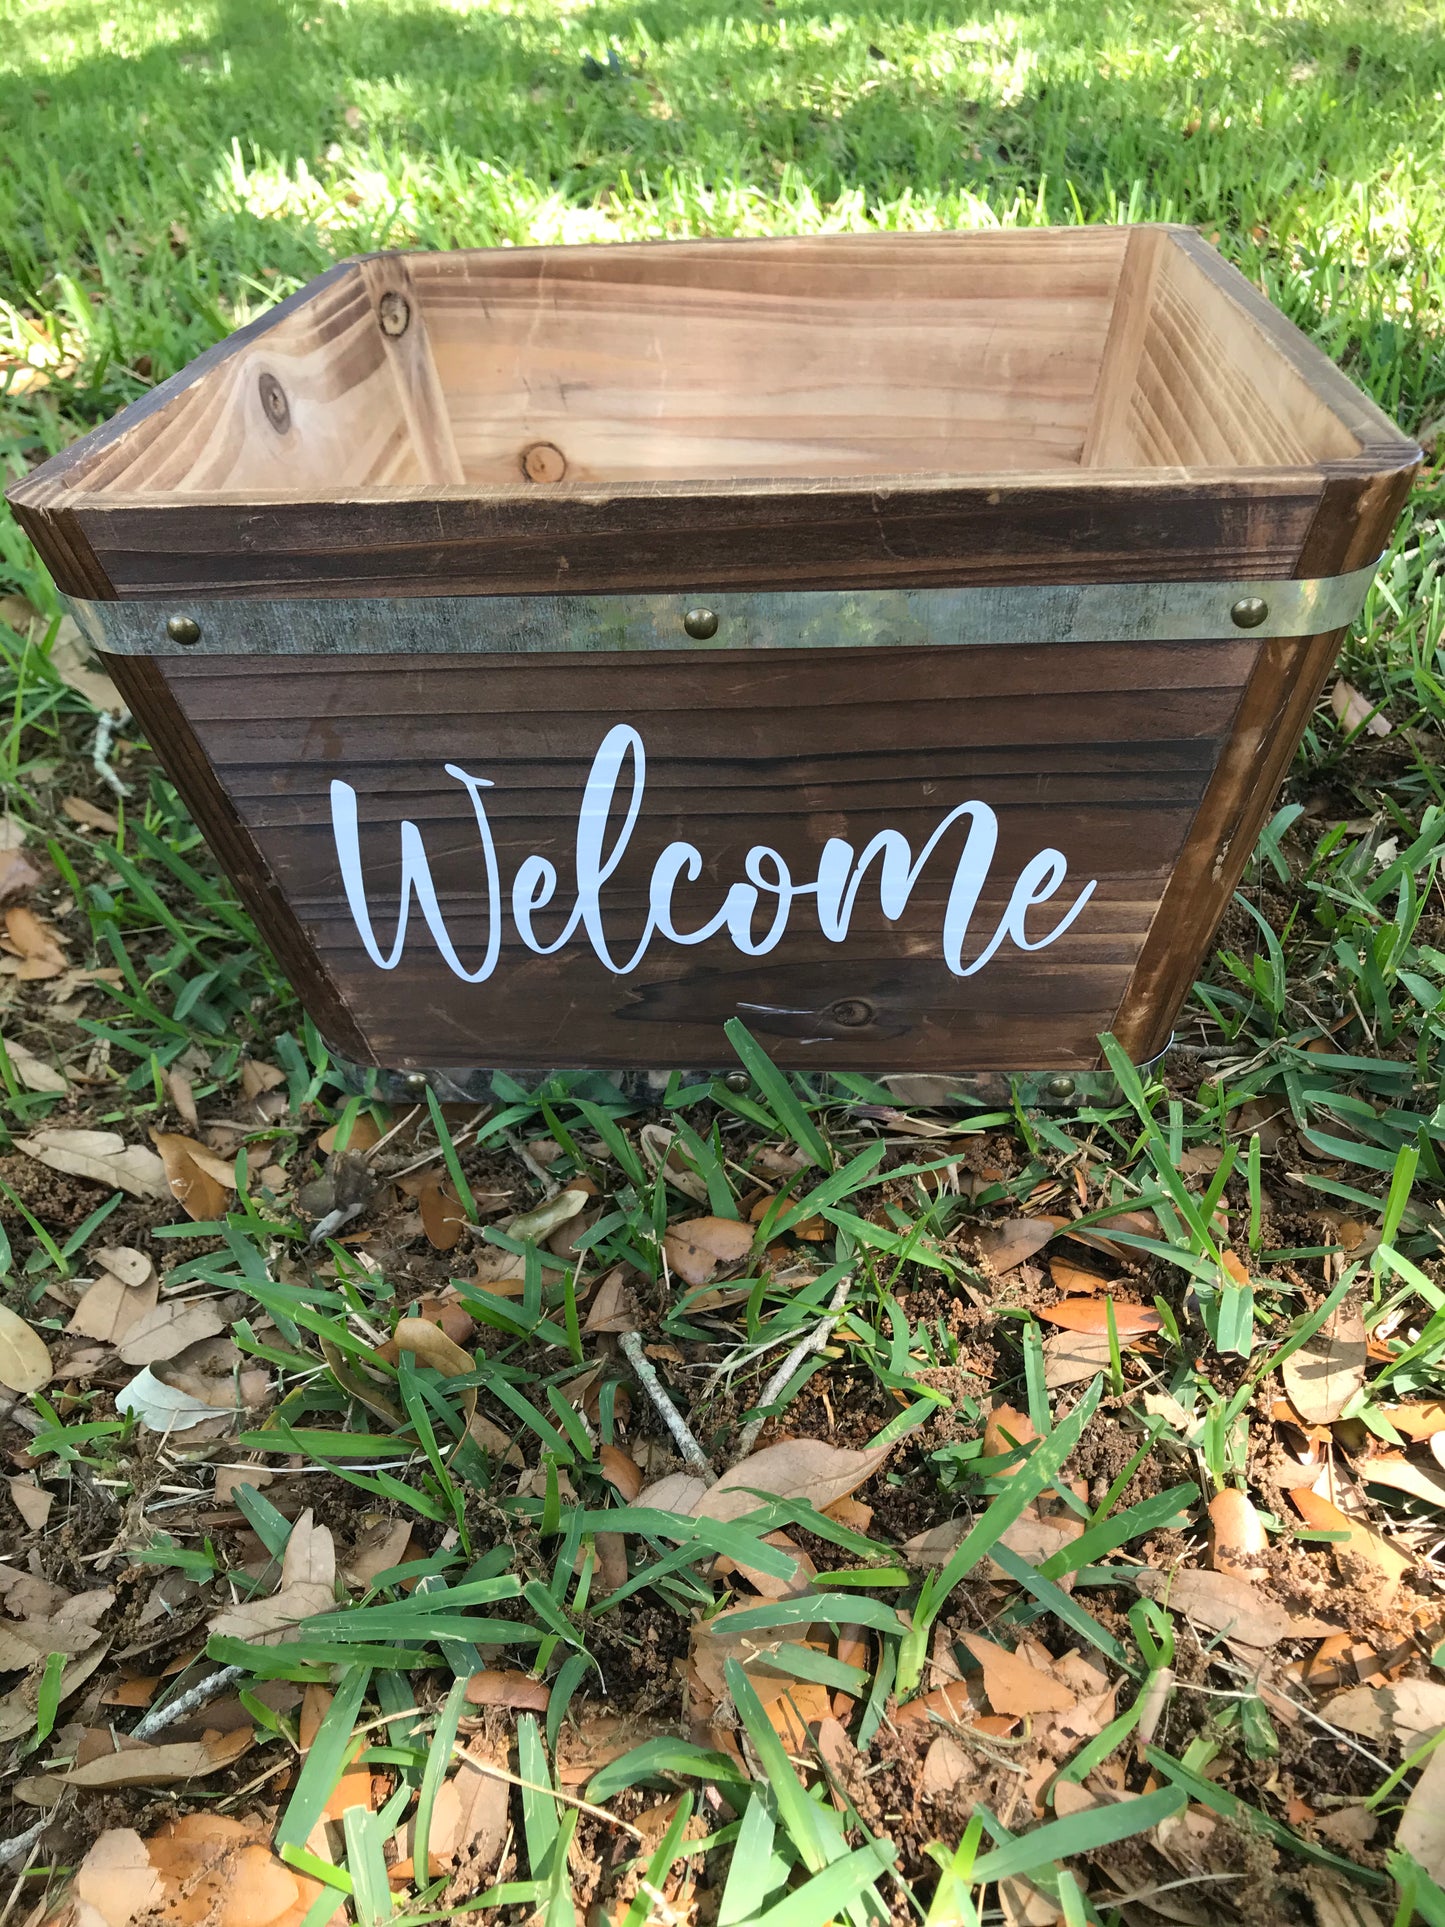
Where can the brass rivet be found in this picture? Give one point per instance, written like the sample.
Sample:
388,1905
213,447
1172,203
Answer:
543,462
1060,1087
273,400
700,624
852,1011
415,1080
395,312
737,1080
1249,612
183,629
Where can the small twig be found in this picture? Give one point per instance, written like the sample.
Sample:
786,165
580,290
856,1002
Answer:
100,750
161,1717
813,1341
676,1424
19,1844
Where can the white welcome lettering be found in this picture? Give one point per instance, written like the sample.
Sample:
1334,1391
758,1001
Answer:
840,877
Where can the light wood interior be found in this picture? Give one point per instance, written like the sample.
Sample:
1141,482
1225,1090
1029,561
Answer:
831,358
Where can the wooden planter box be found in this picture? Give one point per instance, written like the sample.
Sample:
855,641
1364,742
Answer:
893,640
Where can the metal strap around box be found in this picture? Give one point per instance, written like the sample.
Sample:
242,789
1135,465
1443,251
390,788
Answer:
813,619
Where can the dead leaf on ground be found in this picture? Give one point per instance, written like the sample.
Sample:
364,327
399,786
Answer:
443,1218
194,1870
663,1153
1072,1357
794,1469
613,1308
1222,1601
677,1492
1363,1541
620,1470
143,1765
1013,1684
1410,1711
198,1179
1400,1474
32,1501
111,1308
72,660
1420,1420
173,1325
377,1549
33,1072
101,1156
1356,711
543,1219
1236,1532
1092,1315
161,1407
1004,1430
79,810
1328,1370
18,876
308,1576
515,1690
945,1765
24,1360
1072,1278
1013,1240
1422,1825
699,1248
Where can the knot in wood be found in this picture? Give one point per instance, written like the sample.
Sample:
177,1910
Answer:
273,401
394,311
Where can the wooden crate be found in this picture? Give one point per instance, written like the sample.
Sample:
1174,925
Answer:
893,640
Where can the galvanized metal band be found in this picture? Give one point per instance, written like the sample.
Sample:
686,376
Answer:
812,619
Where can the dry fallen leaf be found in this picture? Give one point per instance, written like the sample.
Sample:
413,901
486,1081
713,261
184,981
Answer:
1400,1474
111,1308
204,1870
515,1690
697,1249
1004,1430
1408,1710
1328,1370
24,1361
945,1764
1013,1684
1422,1825
173,1325
1011,1241
33,1072
676,1492
1071,1357
1092,1315
101,1156
18,875
161,1407
198,1179
378,1548
142,1765
442,1216
1420,1420
1236,1532
308,1576
794,1469
32,1502
1356,711
1363,1541
35,943
88,814
620,1470
1222,1601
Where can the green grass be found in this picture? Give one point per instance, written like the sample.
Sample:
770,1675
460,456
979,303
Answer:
166,172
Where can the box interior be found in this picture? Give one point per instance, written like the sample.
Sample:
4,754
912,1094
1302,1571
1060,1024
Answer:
830,358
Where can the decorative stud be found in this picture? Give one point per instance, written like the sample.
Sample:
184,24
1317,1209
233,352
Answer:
415,1081
1249,612
183,629
700,624
395,312
736,1080
1060,1087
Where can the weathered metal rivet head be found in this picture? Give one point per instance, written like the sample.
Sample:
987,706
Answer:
543,462
1249,612
273,400
183,629
851,1011
737,1080
395,312
415,1080
1060,1087
700,624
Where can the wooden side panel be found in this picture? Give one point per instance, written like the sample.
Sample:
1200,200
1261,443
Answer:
755,763
565,541
308,406
402,329
837,355
1210,386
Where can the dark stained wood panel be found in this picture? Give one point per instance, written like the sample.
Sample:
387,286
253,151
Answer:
743,752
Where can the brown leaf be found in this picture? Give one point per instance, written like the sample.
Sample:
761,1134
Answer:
101,1156
613,1308
1222,1601
795,1469
192,1174
429,1345
1014,1686
308,1575
1013,1240
140,1765
173,1325
1236,1532
24,1361
677,1492
378,1549
621,1470
32,1502
364,1134
132,1267
515,1690
1400,1474
1071,1357
34,942
1363,1540
442,1216
1073,1278
1422,1825
1092,1315
945,1764
1004,1430
118,1878
33,1072
1409,1711
1356,711
1420,1420
485,1808
81,811
18,876
111,1308
954,1702
1328,1370
700,1247
258,1077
